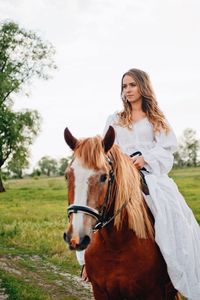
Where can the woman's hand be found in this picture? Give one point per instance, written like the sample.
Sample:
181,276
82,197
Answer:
138,161
84,276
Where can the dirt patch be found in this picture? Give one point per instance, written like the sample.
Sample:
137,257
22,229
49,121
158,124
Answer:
48,277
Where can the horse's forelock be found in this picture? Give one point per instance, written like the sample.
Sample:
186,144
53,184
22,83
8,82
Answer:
90,153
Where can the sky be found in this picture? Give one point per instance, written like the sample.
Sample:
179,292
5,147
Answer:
96,41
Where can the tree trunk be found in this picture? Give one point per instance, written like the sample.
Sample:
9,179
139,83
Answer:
2,189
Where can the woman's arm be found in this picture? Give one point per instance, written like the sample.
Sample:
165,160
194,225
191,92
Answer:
159,159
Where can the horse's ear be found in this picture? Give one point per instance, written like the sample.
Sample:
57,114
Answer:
70,139
109,139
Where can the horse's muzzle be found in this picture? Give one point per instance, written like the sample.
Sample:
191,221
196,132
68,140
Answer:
77,244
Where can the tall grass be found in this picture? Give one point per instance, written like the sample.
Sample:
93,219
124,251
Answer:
33,219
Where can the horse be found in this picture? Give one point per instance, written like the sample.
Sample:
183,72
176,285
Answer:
109,218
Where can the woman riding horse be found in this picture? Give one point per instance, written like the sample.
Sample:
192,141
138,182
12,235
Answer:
104,193
141,126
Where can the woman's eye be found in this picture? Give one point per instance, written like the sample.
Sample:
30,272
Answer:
103,177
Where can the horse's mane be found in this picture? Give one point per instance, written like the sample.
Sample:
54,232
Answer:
127,185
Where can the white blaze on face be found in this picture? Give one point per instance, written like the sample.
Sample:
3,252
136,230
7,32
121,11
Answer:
81,176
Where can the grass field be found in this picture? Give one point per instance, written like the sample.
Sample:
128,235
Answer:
188,181
34,260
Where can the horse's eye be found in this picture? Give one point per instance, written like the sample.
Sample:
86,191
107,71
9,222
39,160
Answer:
103,177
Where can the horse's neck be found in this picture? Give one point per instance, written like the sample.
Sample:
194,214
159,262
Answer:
110,233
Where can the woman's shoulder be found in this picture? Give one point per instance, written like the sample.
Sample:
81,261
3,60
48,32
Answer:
112,119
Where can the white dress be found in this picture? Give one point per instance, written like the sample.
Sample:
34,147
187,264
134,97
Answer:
177,232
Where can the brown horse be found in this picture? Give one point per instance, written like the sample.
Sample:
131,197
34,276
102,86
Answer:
109,217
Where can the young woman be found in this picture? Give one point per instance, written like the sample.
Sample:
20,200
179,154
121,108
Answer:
141,126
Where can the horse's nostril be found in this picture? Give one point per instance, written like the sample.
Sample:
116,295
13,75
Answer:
65,237
76,243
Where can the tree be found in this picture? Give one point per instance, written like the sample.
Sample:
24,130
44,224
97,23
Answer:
18,162
17,130
188,149
48,166
23,56
63,163
178,161
35,173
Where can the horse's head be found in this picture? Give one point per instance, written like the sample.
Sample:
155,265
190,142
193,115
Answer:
88,176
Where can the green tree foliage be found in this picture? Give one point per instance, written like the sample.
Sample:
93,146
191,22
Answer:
189,147
23,56
62,165
48,166
35,173
51,167
17,130
178,160
187,155
18,162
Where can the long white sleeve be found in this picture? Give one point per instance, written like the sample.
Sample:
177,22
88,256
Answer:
160,158
157,149
80,255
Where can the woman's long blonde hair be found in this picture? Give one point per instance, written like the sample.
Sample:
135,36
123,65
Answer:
149,103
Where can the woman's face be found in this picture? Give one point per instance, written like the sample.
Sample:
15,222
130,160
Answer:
130,89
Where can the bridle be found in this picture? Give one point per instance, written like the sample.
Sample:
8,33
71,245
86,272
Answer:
100,215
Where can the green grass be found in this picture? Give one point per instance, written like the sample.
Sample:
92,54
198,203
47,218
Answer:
188,181
33,218
18,289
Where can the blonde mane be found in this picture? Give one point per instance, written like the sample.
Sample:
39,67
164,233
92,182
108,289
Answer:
126,188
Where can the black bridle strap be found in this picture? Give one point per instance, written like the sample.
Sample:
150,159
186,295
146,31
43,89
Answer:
107,196
102,224
85,209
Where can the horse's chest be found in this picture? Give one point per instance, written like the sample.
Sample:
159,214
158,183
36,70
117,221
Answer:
113,270
128,270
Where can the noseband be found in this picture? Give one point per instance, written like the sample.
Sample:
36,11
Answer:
100,216
85,209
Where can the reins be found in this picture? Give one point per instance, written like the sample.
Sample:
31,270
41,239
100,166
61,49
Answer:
102,224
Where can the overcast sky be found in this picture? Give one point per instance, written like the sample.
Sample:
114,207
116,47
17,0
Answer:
96,41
